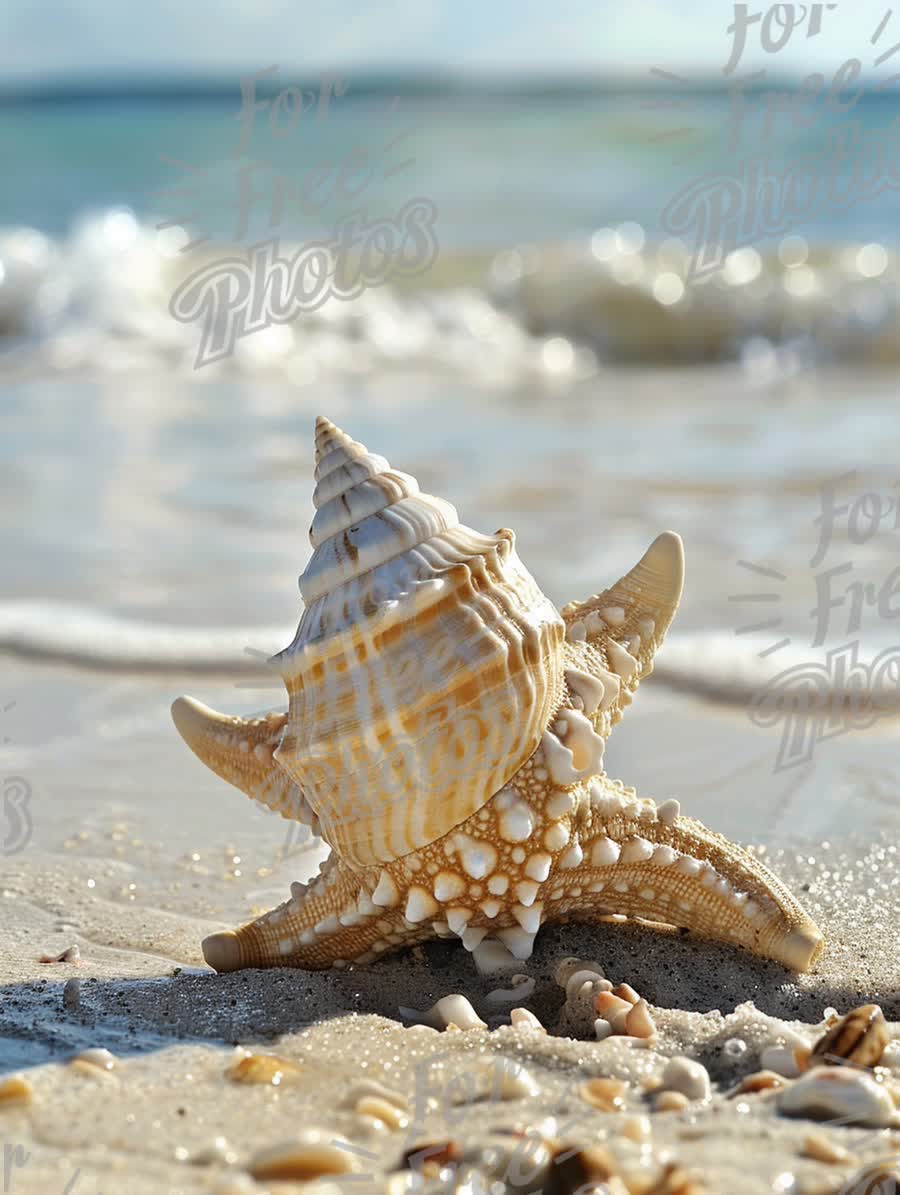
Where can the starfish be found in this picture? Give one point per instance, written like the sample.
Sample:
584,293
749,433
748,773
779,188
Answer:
559,841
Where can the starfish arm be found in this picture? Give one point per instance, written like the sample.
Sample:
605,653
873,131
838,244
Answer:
618,631
657,865
332,921
241,751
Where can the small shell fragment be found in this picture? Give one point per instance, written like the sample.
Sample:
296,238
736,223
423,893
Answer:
15,1090
268,1069
607,1095
524,1018
758,1081
311,1155
103,1059
381,1110
861,1037
566,968
818,1147
638,1022
72,994
670,1101
838,1093
454,1010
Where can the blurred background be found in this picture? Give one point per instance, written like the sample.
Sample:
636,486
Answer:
665,294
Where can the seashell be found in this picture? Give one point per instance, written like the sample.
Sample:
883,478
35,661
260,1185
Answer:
454,1010
838,1093
15,1090
312,1154
383,1111
417,632
608,1095
861,1037
524,1018
670,1101
818,1147
267,1069
445,735
756,1082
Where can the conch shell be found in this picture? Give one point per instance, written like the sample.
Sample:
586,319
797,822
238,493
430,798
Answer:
445,735
425,666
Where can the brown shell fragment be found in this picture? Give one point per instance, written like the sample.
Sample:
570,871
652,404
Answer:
861,1037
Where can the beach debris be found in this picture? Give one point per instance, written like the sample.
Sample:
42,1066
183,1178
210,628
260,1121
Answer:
838,1093
818,1147
15,1090
501,1078
688,1076
758,1081
267,1069
788,1055
98,1056
606,1095
523,1018
518,823
72,954
72,994
522,986
384,1112
429,1158
453,1010
220,1152
313,1153
861,1037
670,1101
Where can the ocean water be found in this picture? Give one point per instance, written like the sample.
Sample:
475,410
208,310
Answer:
556,370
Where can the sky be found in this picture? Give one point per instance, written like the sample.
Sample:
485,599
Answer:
52,39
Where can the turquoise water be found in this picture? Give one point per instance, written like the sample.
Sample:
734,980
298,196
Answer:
501,169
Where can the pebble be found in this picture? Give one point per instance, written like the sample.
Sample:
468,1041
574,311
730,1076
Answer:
688,1076
310,1155
861,1037
72,994
838,1093
15,1090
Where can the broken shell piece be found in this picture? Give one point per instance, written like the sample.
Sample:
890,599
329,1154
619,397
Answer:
838,1093
688,1076
670,1101
790,1060
98,1057
638,1022
454,1010
522,987
504,1078
523,1018
15,1090
757,1082
268,1069
383,1112
312,1154
861,1037
626,992
607,1095
818,1147
371,1087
